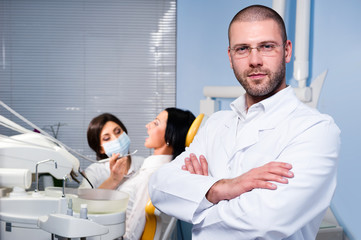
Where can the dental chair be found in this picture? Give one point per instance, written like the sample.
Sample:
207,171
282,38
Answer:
159,226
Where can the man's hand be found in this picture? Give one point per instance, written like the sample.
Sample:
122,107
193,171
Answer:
192,165
226,189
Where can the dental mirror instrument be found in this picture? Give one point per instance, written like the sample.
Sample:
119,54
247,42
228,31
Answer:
108,159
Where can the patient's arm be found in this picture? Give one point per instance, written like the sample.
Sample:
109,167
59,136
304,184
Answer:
225,189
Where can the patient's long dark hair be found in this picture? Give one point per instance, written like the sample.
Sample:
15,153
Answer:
178,124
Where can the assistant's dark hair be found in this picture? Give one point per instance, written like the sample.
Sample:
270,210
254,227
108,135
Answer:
94,129
178,124
259,13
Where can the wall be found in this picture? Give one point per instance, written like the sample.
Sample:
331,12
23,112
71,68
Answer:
202,60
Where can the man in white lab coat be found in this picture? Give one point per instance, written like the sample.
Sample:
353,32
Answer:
267,124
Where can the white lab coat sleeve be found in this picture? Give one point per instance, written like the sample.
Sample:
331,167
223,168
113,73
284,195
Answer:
300,204
177,192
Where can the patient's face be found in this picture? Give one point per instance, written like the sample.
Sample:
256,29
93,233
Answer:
156,131
110,132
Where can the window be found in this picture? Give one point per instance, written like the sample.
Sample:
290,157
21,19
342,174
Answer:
65,62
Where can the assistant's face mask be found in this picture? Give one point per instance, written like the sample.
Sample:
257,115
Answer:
119,145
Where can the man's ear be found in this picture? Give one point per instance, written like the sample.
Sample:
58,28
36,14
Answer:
288,51
229,56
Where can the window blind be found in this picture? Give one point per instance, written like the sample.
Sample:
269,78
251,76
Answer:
65,62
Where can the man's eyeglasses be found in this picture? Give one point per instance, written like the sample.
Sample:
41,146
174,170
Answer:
266,49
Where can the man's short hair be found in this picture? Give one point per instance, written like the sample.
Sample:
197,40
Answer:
259,13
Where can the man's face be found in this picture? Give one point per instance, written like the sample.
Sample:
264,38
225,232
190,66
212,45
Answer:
260,75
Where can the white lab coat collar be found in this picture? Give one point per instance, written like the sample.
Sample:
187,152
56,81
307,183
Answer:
284,101
265,117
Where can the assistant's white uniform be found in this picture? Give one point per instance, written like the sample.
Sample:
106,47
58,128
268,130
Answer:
279,128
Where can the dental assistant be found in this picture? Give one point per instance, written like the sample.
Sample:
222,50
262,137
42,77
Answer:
107,136
268,123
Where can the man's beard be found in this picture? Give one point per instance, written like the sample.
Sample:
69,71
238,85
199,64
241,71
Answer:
265,88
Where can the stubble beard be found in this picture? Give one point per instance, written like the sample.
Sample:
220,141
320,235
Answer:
262,88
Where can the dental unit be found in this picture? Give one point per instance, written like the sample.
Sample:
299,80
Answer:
56,212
